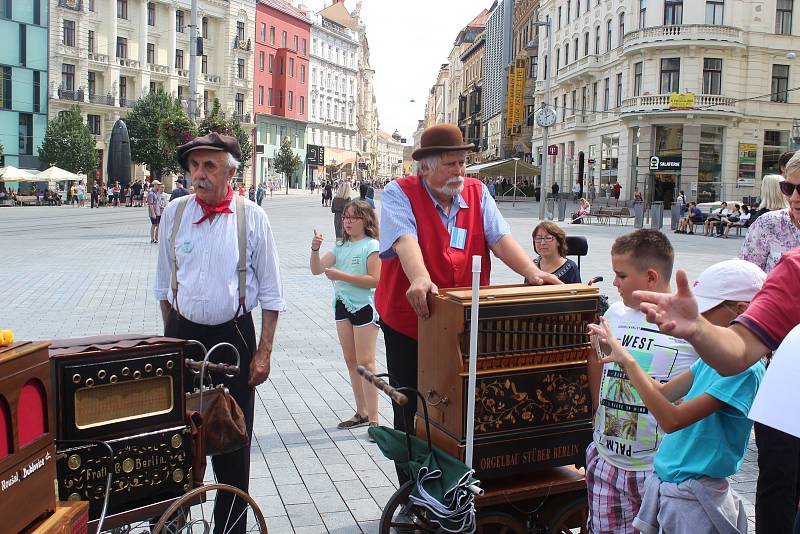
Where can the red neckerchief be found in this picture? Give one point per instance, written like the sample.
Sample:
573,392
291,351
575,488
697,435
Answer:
222,207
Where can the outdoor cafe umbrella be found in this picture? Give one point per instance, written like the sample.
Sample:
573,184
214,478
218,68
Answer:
56,174
13,174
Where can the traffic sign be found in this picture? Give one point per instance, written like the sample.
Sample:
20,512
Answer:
552,150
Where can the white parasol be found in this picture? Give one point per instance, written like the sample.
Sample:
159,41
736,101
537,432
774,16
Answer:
13,174
56,174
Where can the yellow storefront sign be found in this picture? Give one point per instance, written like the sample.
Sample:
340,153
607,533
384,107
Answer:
515,103
681,101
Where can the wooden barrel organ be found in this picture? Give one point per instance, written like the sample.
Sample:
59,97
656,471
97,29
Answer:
533,406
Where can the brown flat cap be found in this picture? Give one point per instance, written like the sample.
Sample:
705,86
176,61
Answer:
440,138
212,141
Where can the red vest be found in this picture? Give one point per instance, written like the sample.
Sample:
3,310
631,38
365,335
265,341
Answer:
447,266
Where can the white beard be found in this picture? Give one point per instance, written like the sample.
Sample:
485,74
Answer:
453,187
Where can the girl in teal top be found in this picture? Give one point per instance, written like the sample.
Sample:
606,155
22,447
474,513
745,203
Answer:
354,267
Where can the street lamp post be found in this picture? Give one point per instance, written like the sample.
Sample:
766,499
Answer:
545,105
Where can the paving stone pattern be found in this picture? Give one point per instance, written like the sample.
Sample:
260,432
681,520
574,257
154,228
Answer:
69,272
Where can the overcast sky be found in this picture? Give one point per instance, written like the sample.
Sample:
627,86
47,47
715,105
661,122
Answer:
408,42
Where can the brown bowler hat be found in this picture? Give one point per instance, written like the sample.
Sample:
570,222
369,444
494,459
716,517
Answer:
212,141
440,138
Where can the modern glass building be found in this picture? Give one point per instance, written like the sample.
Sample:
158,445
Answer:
23,91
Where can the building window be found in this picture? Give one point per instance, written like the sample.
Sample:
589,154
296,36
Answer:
290,100
606,94
90,41
25,134
621,27
240,30
712,76
597,39
291,67
780,83
123,90
272,35
122,47
594,96
302,74
269,97
261,61
240,103
179,59
280,99
673,12
608,36
262,32
619,90
302,104
154,89
5,9
776,142
558,60
151,53
642,14
37,91
569,9
204,28
637,78
5,94
271,59
670,75
280,65
573,102
91,5
305,47
122,9
69,33
260,95
559,17
714,11
283,39
151,14
92,83
240,68
783,17
296,43
204,64
566,54
584,96
179,23
93,123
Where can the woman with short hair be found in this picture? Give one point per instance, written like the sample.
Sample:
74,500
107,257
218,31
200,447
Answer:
550,242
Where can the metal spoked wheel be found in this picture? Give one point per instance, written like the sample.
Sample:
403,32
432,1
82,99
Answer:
399,517
193,512
499,523
571,518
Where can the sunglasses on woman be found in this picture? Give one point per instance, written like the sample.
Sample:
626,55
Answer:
788,188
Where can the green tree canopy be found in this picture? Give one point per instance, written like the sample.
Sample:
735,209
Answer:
68,144
215,122
286,161
156,126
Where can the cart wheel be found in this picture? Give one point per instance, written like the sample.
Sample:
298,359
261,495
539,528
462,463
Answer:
571,518
499,523
193,512
398,518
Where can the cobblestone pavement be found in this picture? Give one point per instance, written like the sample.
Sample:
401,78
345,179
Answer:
69,272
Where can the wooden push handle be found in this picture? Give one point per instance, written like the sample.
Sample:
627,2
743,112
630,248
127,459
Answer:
396,396
230,370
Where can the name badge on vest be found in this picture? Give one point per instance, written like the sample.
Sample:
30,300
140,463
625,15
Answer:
458,238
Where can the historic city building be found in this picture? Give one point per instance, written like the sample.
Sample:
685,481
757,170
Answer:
390,156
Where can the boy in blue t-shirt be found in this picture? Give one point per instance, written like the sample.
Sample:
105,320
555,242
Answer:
708,431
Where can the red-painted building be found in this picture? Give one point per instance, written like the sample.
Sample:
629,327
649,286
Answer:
283,38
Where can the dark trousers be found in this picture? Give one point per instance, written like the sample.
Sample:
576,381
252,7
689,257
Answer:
232,468
778,487
401,361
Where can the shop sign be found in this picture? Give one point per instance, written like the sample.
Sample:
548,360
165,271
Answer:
552,150
590,161
747,165
315,155
515,103
679,101
665,163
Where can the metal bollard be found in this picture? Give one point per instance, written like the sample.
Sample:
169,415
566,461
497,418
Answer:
656,215
562,209
550,210
638,214
675,214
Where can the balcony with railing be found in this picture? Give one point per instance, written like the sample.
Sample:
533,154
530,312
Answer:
212,78
75,5
241,44
104,100
98,58
158,69
681,35
655,103
128,63
70,94
127,102
242,117
183,73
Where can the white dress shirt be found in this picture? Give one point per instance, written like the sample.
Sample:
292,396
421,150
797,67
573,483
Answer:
208,256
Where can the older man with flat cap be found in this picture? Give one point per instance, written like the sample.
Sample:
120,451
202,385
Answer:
217,261
431,226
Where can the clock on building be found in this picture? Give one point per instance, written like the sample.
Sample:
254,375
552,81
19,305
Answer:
546,117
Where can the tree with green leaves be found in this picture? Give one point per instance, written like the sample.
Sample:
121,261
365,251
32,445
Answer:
68,144
286,161
214,121
156,125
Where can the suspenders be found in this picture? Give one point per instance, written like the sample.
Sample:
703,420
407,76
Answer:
241,231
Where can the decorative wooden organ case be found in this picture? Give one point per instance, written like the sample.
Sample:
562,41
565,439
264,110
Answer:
27,453
127,391
533,406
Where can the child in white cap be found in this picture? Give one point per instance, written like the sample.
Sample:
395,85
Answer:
708,432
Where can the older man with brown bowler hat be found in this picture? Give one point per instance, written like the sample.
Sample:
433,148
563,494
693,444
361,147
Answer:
217,261
431,226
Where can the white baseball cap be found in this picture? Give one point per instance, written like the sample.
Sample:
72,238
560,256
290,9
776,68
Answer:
736,280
